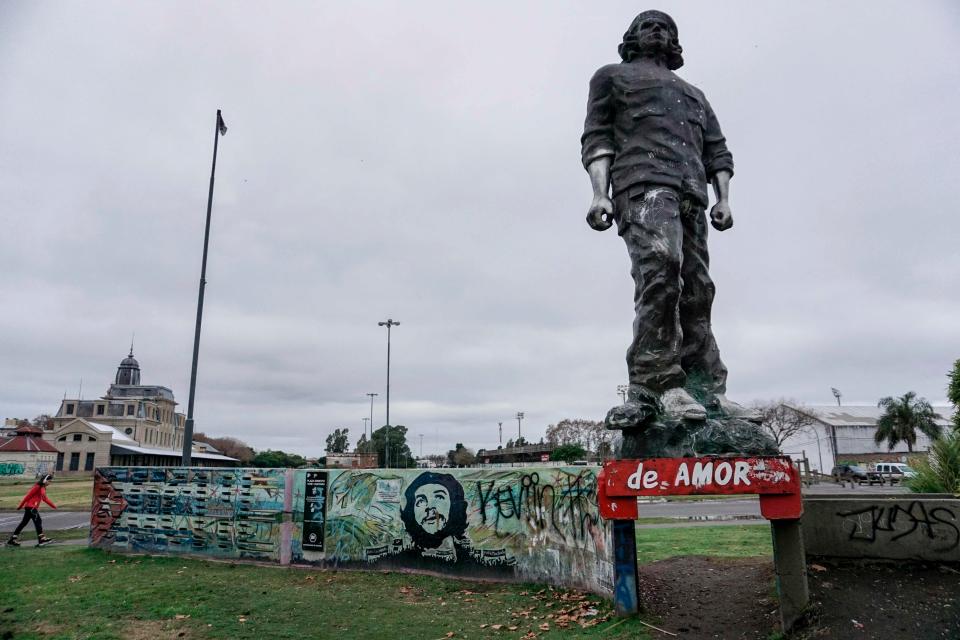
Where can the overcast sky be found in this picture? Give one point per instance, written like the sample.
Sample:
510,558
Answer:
420,161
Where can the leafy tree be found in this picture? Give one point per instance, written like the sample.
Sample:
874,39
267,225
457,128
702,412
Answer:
228,446
940,471
400,455
520,442
568,453
461,456
953,393
363,445
902,418
275,459
783,422
338,441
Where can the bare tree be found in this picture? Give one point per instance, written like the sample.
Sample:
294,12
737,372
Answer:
785,418
587,433
228,446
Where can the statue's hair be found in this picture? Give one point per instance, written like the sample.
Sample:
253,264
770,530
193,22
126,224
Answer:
456,524
630,48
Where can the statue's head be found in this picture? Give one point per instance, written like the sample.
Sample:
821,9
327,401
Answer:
652,34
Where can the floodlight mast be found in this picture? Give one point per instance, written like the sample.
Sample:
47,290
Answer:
390,323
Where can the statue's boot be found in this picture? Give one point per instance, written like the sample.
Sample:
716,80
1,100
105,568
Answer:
680,404
731,409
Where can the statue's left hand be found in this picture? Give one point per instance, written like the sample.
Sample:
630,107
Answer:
720,216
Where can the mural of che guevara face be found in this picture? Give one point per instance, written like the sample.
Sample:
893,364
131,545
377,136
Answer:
434,509
431,507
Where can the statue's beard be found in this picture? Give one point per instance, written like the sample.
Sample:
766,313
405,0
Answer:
654,49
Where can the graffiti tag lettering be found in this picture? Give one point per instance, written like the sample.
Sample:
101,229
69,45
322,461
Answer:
567,507
938,525
11,469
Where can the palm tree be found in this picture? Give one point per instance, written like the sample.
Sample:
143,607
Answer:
901,419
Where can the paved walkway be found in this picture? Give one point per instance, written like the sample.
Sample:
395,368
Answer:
52,520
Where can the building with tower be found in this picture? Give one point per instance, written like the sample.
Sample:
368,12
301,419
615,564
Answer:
132,424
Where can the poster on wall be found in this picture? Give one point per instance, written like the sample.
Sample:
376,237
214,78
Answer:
314,510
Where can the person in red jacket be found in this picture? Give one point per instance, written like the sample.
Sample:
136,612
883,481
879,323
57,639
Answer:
31,511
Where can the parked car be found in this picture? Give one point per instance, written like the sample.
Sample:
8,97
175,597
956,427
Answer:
895,471
855,473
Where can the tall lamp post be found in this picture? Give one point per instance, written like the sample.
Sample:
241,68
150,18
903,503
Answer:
421,445
836,394
519,418
219,130
389,324
622,390
365,421
372,396
500,424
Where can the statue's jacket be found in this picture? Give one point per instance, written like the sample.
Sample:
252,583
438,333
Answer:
657,128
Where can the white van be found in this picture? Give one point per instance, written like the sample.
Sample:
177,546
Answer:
895,470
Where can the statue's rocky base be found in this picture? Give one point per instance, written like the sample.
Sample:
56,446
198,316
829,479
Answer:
648,431
666,437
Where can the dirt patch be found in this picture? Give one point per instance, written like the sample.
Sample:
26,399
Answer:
700,597
156,630
883,600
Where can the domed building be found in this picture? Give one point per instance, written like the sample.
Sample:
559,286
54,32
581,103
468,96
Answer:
132,424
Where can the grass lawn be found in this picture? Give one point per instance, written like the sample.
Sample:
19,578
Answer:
75,592
68,495
720,541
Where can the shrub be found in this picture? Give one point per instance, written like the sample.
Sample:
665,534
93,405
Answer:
940,471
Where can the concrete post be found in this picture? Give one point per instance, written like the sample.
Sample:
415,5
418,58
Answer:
625,584
790,563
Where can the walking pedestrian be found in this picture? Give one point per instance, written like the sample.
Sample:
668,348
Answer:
31,511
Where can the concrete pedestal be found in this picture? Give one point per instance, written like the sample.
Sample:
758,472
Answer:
790,563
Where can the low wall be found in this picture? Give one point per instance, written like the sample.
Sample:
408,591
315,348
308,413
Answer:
524,524
26,465
895,527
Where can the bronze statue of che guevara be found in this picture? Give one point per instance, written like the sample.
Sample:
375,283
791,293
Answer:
651,143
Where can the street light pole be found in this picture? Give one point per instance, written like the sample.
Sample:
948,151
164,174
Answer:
421,446
365,421
372,396
622,390
390,323
519,418
500,424
219,130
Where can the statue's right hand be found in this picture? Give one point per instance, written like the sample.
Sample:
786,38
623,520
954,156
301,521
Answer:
600,215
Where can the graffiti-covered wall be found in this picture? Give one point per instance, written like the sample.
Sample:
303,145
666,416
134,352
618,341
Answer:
226,513
26,465
524,524
519,524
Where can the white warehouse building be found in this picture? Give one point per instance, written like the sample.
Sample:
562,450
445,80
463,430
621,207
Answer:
845,434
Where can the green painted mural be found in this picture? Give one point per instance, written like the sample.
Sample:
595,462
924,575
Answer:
536,524
525,524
